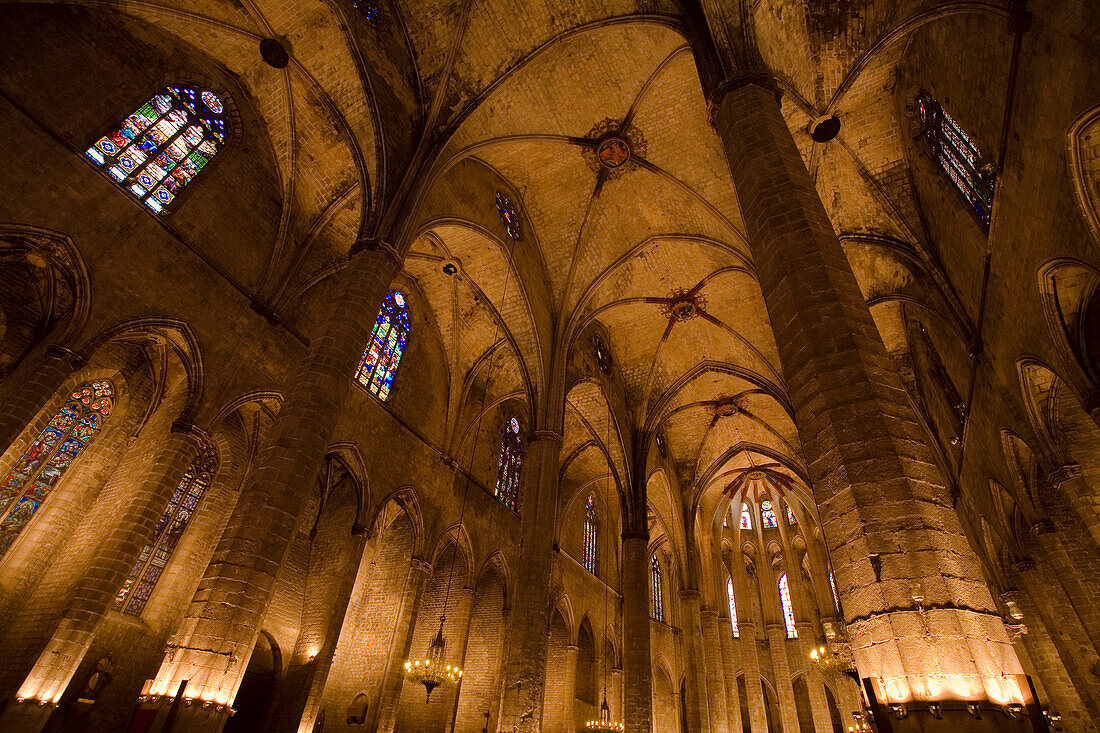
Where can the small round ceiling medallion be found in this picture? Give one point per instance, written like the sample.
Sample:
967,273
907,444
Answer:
755,474
274,53
613,151
682,305
451,267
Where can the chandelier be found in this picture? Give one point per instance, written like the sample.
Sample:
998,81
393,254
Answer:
431,671
604,722
832,661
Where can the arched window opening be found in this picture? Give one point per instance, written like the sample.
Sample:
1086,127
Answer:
832,584
791,518
163,145
154,557
387,344
733,607
40,469
658,598
788,610
959,157
591,536
511,461
767,515
746,517
603,359
509,216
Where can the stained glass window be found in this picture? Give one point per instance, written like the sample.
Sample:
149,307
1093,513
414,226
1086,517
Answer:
658,599
746,517
511,461
791,518
733,607
788,609
591,536
370,10
37,473
387,343
509,217
832,584
767,515
143,577
163,145
603,359
958,155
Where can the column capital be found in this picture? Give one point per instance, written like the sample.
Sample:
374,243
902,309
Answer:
636,534
420,565
572,649
57,351
689,594
756,77
373,244
1025,565
1060,475
1042,526
550,436
781,628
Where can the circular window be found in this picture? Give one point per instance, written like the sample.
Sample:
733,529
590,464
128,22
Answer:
514,424
212,102
399,299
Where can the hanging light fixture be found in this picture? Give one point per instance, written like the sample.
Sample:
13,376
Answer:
432,671
604,721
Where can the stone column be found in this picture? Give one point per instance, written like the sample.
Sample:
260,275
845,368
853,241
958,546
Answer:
30,387
95,592
1082,589
758,717
389,695
637,665
1070,480
815,682
525,644
322,663
731,661
697,710
570,685
216,638
716,682
886,512
463,611
788,710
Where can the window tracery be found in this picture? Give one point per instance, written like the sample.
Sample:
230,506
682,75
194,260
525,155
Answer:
37,473
658,599
511,464
509,216
958,155
591,536
788,609
733,607
767,515
154,557
383,354
163,145
746,516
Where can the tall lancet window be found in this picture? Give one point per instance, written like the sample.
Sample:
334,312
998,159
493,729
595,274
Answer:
733,607
591,536
163,145
38,472
836,596
135,591
767,515
791,518
746,517
511,462
788,609
958,155
655,582
387,343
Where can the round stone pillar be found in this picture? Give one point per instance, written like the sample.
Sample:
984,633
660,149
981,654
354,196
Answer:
212,647
637,667
922,621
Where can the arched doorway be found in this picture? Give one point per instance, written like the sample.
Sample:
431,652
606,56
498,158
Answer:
254,698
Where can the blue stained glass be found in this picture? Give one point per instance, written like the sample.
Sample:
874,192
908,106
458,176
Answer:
382,356
43,465
508,468
169,129
959,157
767,515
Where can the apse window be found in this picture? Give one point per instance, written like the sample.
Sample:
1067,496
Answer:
788,609
767,515
38,472
746,517
959,157
733,607
163,145
511,462
145,573
591,536
791,518
383,354
509,216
